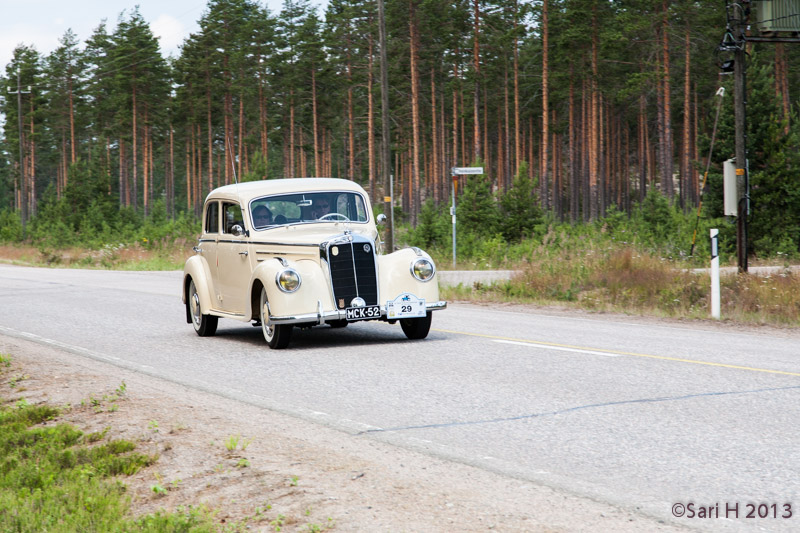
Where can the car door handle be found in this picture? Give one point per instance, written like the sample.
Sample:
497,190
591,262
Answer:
243,253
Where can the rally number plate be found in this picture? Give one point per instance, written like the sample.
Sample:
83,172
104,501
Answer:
405,306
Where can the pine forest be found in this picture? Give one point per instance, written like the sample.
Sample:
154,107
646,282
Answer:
587,106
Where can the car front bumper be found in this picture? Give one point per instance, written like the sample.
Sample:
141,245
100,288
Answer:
323,317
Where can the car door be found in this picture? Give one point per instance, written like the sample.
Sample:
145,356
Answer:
233,262
208,247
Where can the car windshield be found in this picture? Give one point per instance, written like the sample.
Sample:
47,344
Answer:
299,208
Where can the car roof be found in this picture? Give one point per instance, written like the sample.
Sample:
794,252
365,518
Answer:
249,190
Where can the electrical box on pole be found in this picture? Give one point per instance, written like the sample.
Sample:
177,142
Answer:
731,190
777,16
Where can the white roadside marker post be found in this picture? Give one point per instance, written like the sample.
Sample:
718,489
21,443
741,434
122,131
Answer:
715,304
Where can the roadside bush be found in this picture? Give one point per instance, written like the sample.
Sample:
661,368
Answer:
10,226
519,208
434,227
477,209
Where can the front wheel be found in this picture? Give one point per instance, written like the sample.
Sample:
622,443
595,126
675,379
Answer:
276,335
417,328
204,325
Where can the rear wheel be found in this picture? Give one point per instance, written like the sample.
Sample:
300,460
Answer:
416,328
276,335
204,325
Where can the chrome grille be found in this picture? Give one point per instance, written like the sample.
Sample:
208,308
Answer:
353,272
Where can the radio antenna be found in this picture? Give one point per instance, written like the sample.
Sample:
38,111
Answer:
233,164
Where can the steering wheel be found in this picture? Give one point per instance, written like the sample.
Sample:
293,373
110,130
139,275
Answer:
335,216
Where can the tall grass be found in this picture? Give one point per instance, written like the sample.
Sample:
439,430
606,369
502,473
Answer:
165,254
618,277
767,300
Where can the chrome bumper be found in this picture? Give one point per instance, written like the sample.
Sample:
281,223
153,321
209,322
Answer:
323,317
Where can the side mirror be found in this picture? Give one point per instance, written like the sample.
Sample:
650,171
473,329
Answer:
237,230
381,219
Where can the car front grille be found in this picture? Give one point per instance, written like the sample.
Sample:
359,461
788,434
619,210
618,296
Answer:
352,266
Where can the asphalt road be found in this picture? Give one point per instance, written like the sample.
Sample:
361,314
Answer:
638,413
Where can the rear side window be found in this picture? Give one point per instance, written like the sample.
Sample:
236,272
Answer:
212,217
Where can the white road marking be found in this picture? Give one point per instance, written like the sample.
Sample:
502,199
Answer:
558,348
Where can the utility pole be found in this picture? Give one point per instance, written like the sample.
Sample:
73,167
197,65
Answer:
773,26
740,110
386,145
24,203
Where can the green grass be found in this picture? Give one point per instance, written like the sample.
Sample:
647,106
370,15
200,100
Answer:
55,478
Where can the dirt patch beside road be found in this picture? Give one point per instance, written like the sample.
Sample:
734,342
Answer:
285,473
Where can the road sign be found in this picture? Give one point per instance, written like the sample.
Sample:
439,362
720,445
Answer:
461,171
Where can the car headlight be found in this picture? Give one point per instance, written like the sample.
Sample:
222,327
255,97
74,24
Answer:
288,280
423,269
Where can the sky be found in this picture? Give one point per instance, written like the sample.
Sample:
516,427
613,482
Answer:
42,23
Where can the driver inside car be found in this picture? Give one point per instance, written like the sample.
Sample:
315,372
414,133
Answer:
322,207
262,217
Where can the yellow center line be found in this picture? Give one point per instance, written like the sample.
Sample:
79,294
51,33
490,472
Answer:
615,352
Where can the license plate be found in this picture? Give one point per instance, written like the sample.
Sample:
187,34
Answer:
363,313
405,306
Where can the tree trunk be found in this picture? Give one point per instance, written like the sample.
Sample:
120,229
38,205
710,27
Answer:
643,149
594,116
291,134
146,167
415,117
71,120
317,169
135,154
507,179
241,138
477,71
666,143
455,116
210,148
782,83
351,127
171,174
545,106
32,169
573,167
517,139
371,125
190,163
434,145
695,152
687,108
262,123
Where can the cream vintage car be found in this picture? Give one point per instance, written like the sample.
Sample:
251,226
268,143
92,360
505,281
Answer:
302,252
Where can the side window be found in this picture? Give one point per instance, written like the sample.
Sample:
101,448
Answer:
231,216
212,217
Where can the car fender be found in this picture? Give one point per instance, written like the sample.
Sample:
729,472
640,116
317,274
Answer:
314,288
196,269
396,277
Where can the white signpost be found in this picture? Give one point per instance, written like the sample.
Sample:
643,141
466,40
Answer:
455,172
715,299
